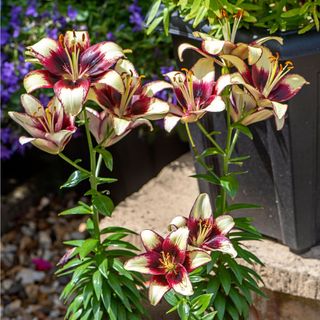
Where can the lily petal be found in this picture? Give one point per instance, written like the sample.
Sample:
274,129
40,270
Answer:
257,117
99,57
221,243
151,240
215,104
149,108
201,208
72,95
186,46
287,88
42,144
151,88
43,48
204,70
224,224
125,66
61,138
121,125
177,240
27,123
170,121
195,259
147,263
179,281
222,82
158,287
31,105
240,66
113,79
280,109
177,223
38,79
213,46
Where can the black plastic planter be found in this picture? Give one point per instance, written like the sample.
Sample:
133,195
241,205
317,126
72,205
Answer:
284,166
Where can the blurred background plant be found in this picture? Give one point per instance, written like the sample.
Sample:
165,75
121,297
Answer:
26,22
275,16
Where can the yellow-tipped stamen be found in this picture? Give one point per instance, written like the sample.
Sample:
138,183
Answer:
167,262
204,230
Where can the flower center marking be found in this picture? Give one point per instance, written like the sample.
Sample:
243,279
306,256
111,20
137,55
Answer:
167,261
205,228
276,72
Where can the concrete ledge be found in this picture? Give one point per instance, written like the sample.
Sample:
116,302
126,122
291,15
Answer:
173,192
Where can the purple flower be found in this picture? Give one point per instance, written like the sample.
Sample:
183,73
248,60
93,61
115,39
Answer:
32,9
44,99
72,13
53,33
41,264
5,36
5,153
8,73
166,69
5,135
136,17
110,36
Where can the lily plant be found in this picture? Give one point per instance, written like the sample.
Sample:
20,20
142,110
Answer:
195,267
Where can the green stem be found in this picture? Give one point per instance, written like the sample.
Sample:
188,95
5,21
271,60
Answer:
94,168
205,132
65,158
194,148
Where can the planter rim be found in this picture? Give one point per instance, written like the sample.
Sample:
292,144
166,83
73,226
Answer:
295,45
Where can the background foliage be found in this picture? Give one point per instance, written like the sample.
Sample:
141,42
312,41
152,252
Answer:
26,22
275,16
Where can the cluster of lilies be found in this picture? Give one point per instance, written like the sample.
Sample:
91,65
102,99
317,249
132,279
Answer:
79,72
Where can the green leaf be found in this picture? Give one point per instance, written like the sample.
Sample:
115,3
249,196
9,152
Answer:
184,310
75,210
166,18
107,157
74,243
103,204
87,246
200,16
201,303
213,285
103,268
154,24
291,13
233,312
171,298
121,244
220,305
207,177
87,294
209,152
243,129
234,267
119,253
114,229
75,178
106,296
225,279
114,283
238,206
209,316
118,266
153,11
97,283
106,180
236,299
230,184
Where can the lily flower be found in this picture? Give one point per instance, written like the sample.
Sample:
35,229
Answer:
102,126
51,128
206,232
213,48
127,99
71,66
168,261
197,92
245,109
268,82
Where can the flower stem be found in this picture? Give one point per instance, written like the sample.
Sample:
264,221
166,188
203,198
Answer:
205,132
65,158
94,168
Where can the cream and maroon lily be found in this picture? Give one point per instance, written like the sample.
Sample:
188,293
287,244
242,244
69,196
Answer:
206,232
213,48
168,261
197,92
101,125
51,128
268,82
71,67
127,99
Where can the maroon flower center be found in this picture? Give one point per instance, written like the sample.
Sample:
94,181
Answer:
167,261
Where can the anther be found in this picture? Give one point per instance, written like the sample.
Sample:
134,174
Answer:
61,39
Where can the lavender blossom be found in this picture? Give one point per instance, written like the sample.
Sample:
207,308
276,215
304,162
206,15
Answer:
136,17
72,13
